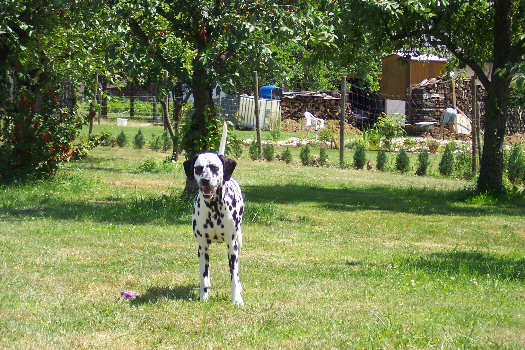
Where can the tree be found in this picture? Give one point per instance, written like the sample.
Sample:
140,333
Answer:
474,32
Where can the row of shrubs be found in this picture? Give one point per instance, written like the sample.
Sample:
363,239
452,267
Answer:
458,164
157,142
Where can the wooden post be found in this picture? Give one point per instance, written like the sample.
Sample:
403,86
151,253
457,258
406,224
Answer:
474,126
342,124
99,100
453,93
257,123
478,129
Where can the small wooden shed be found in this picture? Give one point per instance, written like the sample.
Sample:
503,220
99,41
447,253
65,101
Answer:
401,71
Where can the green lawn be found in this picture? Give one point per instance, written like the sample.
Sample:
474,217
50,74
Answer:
331,259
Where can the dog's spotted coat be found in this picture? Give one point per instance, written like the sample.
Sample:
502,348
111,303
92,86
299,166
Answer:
217,216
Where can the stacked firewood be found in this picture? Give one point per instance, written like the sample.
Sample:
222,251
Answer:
325,105
428,99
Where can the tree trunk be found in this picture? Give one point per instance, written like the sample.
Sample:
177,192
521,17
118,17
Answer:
498,92
104,84
203,105
178,103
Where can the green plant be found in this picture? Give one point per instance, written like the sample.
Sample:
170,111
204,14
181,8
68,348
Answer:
402,161
155,142
423,163
275,133
306,155
233,146
286,156
516,165
432,145
381,160
359,156
254,150
269,152
166,141
372,138
147,166
446,165
323,156
122,139
139,141
463,163
389,126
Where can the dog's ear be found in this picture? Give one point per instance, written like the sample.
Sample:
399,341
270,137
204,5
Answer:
188,166
228,166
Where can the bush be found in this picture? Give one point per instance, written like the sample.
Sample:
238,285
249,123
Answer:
275,133
139,140
254,150
446,165
286,156
381,160
269,152
463,163
147,166
423,163
122,139
166,141
516,165
389,126
306,155
202,132
402,161
233,146
323,157
432,145
155,143
359,156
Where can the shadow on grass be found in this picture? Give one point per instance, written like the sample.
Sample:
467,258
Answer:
159,209
260,204
468,263
405,200
153,294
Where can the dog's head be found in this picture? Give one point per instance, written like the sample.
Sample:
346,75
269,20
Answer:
210,171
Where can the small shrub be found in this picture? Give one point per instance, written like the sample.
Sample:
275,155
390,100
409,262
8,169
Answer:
423,163
233,146
139,140
306,155
381,160
269,152
446,165
323,157
147,166
516,165
166,141
122,139
389,126
432,145
286,156
254,150
463,163
155,142
359,156
106,139
275,133
402,161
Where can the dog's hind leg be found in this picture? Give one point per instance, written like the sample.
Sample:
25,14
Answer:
204,265
233,259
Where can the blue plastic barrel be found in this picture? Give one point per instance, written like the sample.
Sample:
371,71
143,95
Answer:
268,91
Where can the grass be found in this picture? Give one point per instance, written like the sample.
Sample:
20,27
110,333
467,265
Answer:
331,259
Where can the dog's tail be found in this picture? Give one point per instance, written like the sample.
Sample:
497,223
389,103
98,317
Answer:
222,146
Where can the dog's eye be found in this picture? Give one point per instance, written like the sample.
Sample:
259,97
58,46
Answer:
214,169
198,170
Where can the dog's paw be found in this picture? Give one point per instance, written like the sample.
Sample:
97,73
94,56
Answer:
204,295
237,301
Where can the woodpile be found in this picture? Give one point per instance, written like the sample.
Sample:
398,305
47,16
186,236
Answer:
428,99
325,105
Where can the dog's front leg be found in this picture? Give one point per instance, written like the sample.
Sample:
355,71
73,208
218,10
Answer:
236,287
204,264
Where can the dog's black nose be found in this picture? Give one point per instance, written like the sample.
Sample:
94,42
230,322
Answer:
205,182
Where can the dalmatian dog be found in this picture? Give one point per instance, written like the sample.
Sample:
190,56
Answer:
217,216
